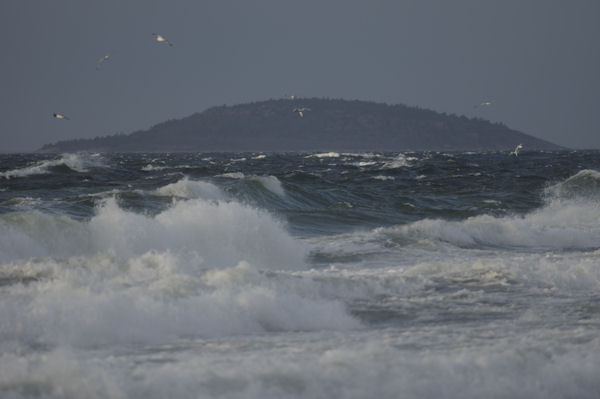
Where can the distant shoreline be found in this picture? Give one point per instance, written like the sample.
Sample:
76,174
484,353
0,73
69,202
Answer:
325,125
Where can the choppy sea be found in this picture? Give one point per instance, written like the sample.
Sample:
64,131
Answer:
314,275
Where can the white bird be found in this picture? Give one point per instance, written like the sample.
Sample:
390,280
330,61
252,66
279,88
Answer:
60,116
161,39
101,60
516,151
301,111
483,104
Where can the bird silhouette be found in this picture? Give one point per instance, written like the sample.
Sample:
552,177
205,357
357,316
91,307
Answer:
162,39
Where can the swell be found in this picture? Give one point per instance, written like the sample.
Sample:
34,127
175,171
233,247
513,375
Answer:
198,268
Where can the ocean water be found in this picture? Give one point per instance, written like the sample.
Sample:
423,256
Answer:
325,275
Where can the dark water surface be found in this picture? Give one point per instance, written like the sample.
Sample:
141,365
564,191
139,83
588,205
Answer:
300,275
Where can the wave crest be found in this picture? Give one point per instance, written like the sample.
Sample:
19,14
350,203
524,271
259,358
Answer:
186,188
220,233
584,184
78,162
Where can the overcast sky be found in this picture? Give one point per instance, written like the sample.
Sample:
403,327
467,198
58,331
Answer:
538,61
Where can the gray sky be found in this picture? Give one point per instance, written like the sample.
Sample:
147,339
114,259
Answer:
538,61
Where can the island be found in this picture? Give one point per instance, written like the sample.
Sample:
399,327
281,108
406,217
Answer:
312,124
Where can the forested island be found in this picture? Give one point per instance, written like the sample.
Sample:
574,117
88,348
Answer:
323,125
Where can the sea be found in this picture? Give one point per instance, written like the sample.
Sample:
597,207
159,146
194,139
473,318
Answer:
300,275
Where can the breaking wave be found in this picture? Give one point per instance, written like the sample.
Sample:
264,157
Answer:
271,183
186,188
78,162
569,220
556,226
583,185
220,233
195,269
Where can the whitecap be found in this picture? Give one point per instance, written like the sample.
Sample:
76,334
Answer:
383,178
584,184
232,175
79,162
186,188
151,168
366,163
397,162
557,225
324,155
271,183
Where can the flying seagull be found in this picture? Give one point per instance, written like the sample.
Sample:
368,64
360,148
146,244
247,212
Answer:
483,104
101,60
516,151
161,39
60,116
301,111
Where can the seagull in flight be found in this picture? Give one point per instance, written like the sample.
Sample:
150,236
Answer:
483,104
60,116
161,39
516,151
301,111
101,60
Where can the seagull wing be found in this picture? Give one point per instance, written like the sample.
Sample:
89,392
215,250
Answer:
162,39
101,60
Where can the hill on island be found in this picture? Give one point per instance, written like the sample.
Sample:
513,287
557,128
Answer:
330,125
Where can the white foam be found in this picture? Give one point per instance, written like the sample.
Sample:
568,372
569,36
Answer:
157,297
196,269
362,154
222,233
232,175
271,183
193,302
570,219
584,184
35,234
150,168
79,162
324,155
398,162
384,178
491,201
558,225
385,365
